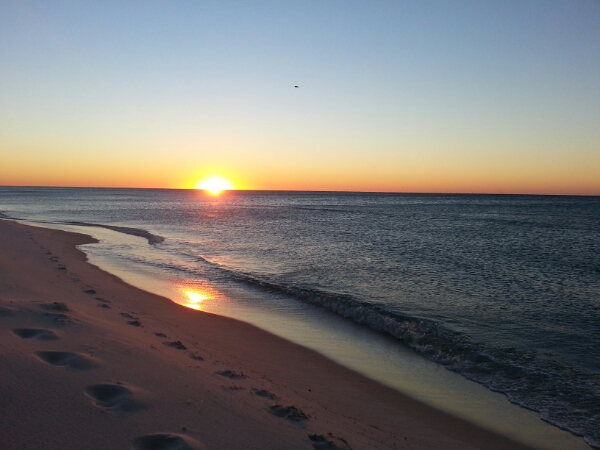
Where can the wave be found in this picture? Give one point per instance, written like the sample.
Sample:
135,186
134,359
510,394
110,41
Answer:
333,210
151,238
564,396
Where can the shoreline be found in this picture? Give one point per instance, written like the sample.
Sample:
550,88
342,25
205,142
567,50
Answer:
210,381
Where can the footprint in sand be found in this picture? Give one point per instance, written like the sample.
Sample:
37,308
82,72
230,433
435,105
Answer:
233,388
117,398
41,334
58,317
56,306
176,344
89,291
264,393
104,303
167,441
329,443
71,361
231,374
288,412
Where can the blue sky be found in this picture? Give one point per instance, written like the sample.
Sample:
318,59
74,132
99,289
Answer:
469,96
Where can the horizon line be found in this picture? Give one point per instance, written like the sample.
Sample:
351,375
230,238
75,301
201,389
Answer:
307,191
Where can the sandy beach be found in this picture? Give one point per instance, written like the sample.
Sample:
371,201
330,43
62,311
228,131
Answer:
90,362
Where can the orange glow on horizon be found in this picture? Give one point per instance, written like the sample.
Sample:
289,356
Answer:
574,177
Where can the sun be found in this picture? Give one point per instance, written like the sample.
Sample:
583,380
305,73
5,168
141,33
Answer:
215,184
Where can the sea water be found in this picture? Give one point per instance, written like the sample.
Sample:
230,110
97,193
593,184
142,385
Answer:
503,290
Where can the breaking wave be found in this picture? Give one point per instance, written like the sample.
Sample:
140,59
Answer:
563,395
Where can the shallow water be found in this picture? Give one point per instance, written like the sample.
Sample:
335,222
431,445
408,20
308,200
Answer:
504,290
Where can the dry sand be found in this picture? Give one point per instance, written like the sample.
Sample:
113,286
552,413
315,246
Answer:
89,362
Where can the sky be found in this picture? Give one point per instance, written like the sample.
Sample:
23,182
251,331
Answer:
487,96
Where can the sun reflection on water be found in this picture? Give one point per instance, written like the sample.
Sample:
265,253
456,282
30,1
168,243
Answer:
196,296
195,299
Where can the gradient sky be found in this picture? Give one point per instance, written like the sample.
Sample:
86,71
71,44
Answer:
407,96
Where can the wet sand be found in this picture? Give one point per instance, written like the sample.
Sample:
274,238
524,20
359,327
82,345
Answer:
88,361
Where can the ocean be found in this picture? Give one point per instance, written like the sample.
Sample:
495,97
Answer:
501,289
